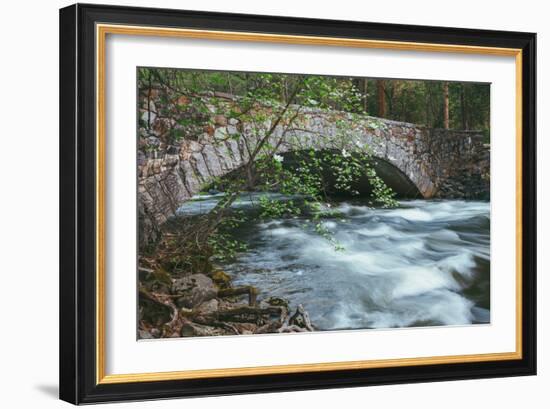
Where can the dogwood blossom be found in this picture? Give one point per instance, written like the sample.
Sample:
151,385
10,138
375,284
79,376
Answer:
278,158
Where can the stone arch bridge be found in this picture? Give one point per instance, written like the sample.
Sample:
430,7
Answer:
439,163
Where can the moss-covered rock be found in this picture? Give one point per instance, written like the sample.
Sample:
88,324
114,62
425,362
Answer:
222,279
277,302
158,280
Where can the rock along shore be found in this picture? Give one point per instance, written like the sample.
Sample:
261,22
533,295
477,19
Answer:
193,305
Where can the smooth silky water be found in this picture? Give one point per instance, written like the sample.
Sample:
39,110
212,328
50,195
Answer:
424,263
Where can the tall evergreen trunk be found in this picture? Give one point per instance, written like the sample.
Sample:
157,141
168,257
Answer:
361,86
381,91
463,108
365,95
446,105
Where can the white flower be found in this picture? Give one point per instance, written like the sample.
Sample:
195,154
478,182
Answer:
278,158
345,153
358,144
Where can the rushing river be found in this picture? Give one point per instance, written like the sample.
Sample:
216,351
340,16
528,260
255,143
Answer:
424,263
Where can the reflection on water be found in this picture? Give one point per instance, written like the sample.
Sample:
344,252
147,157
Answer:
424,263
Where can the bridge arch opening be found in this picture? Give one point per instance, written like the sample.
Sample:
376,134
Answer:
394,178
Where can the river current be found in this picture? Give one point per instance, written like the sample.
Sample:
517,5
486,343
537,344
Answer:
424,263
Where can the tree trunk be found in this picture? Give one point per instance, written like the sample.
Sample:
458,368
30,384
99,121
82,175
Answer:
361,85
446,105
365,95
463,108
381,91
390,94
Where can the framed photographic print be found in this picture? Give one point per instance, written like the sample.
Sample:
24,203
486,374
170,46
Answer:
257,203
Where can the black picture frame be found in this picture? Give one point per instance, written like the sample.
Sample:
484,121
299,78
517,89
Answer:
78,360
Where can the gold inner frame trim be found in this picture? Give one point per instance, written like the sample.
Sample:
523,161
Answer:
101,33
